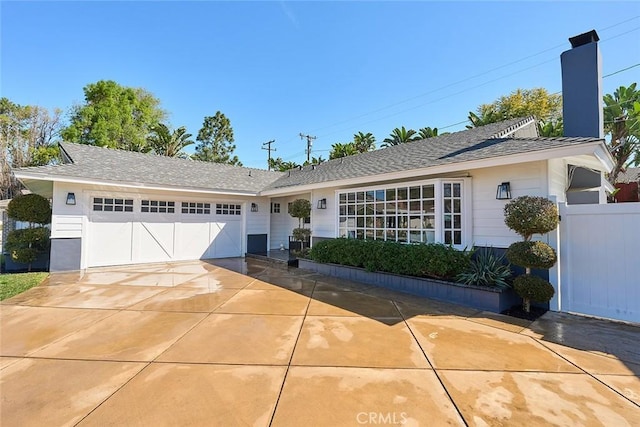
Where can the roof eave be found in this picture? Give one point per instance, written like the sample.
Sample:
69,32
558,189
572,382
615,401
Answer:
596,149
23,175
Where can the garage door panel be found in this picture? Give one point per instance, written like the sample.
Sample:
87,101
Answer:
110,243
154,241
192,241
226,239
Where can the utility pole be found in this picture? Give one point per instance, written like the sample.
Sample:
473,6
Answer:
267,146
309,143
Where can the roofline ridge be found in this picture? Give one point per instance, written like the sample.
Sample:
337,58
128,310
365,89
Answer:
513,127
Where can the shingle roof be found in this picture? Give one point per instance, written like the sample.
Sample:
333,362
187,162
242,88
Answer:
474,144
490,141
90,162
630,175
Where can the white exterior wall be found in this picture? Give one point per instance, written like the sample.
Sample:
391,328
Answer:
323,221
558,179
258,222
282,224
68,221
526,179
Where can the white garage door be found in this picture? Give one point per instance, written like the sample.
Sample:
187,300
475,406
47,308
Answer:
130,231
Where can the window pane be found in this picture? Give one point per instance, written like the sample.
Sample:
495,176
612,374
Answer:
360,196
391,235
97,207
391,208
414,222
457,221
447,205
128,208
128,202
97,200
447,221
380,195
119,208
428,206
456,206
351,210
402,236
429,222
379,208
391,194
402,194
447,190
343,197
369,196
457,237
360,222
369,222
343,210
447,237
414,207
427,192
108,208
414,193
119,201
351,197
456,190
402,207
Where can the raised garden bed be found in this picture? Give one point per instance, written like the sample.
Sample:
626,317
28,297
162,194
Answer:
481,298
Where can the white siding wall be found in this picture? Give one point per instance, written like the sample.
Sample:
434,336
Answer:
258,222
324,220
282,224
68,221
557,176
488,215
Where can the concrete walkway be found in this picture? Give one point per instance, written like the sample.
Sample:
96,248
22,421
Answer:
241,343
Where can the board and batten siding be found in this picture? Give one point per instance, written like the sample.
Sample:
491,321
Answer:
258,222
68,221
282,224
324,220
489,228
557,178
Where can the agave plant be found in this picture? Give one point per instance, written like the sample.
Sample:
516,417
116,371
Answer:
487,269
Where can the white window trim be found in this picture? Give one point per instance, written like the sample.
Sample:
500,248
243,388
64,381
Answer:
466,205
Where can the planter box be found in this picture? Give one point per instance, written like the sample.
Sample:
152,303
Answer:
488,299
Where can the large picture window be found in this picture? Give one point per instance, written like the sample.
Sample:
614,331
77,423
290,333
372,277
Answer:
417,213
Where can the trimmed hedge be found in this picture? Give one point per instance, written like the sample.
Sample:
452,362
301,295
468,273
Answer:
30,208
528,215
531,254
533,288
420,260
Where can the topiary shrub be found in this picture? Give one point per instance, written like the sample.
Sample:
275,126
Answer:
533,288
301,234
530,254
300,208
31,208
486,269
25,245
528,215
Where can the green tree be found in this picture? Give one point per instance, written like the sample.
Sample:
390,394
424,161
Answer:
28,137
342,150
622,125
427,132
314,161
535,102
216,141
400,136
114,116
280,165
167,143
551,128
364,142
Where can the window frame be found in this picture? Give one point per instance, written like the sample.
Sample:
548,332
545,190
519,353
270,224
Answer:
466,220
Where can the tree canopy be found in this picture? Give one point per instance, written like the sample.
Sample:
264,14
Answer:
215,141
400,136
622,125
535,102
165,142
28,137
114,116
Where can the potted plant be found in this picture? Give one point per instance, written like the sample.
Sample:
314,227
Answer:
300,208
528,216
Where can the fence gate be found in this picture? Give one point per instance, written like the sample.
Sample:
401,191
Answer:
600,260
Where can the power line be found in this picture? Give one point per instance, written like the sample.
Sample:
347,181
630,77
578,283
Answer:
309,143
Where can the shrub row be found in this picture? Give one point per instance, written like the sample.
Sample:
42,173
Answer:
421,260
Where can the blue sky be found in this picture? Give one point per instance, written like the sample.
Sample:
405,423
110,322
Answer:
328,69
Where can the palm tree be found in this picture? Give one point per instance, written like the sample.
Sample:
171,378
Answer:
342,150
622,121
551,128
486,114
427,132
166,143
315,161
364,142
399,136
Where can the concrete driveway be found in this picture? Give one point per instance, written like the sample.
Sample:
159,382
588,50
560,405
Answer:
242,343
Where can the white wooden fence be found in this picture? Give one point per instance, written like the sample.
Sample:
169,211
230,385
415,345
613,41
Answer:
599,267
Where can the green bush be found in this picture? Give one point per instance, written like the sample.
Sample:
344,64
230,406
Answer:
301,234
25,245
486,269
300,208
528,215
31,208
533,288
421,260
532,254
